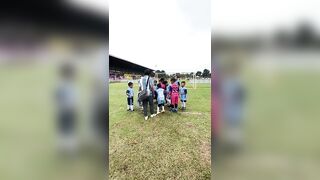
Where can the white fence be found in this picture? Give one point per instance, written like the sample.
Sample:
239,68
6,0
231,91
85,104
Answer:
196,81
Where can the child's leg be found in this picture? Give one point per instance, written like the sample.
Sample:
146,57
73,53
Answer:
158,108
162,107
177,102
131,104
128,106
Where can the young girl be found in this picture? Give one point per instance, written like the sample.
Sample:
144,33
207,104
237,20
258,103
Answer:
174,94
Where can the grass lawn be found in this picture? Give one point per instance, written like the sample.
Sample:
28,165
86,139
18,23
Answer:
168,146
281,126
28,130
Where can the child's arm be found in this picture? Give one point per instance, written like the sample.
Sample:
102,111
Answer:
185,92
128,93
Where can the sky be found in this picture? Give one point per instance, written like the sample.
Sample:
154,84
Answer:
170,35
264,16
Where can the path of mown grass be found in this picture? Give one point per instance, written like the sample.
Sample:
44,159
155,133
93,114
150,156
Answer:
169,146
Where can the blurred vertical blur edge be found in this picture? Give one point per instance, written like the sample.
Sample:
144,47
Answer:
265,113
54,90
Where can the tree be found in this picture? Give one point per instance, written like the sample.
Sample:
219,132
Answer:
205,73
191,75
161,74
199,73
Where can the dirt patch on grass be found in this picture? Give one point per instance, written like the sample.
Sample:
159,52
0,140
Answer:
192,113
205,150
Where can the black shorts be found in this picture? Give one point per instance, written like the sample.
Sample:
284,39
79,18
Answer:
160,105
130,101
183,100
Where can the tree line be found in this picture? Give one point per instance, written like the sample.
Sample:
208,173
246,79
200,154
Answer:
200,74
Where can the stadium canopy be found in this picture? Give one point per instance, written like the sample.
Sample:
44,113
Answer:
118,64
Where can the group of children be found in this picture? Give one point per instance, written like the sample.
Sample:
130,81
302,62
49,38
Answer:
164,93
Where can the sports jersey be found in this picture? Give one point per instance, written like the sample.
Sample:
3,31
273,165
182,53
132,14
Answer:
160,96
130,92
174,92
183,93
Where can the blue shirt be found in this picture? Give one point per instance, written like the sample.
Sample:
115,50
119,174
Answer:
183,93
160,97
130,92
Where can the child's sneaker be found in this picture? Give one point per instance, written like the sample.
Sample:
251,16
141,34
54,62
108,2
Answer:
153,115
146,118
163,111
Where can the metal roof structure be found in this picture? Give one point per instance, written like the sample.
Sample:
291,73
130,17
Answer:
118,64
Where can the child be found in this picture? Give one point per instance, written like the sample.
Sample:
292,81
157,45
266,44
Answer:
160,98
130,94
163,84
183,95
139,102
174,94
155,88
164,87
168,94
66,96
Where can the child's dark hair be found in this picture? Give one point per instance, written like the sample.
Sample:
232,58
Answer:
172,79
130,84
161,80
183,82
152,74
159,85
147,72
165,82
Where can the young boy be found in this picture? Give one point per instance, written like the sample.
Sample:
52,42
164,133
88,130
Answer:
130,94
66,96
174,94
183,95
160,98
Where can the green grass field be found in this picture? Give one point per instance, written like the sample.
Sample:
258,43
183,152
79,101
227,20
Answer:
28,129
168,146
281,124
